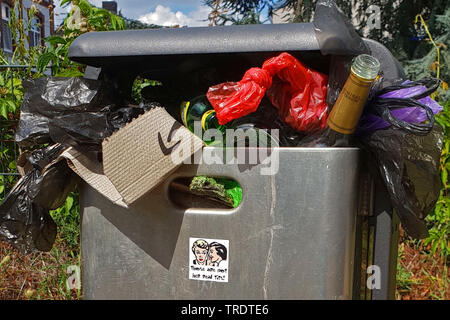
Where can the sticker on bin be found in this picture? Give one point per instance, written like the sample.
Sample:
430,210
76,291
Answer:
208,259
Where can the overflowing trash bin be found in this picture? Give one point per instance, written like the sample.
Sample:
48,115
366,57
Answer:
312,212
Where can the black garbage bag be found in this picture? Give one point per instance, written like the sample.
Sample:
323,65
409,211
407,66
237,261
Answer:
47,98
124,115
25,221
334,31
84,130
404,104
399,131
408,164
87,130
72,111
338,38
58,181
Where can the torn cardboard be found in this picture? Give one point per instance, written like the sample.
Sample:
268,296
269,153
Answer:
146,151
136,158
89,168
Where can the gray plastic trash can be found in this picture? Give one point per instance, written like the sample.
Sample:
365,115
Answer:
308,232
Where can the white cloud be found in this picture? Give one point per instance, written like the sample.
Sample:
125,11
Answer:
200,16
164,16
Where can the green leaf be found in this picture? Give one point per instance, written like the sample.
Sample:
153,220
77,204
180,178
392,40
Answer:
69,204
4,110
444,175
113,22
44,60
85,7
434,246
447,165
54,40
144,85
100,12
12,165
71,73
65,2
17,82
121,24
443,245
60,51
12,106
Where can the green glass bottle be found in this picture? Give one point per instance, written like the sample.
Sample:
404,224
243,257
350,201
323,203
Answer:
199,109
261,121
209,121
193,110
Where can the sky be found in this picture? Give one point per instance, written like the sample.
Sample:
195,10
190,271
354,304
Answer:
190,13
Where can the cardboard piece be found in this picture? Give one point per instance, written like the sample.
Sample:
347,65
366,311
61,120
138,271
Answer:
146,151
90,169
136,158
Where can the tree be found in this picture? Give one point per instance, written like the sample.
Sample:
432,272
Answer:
245,12
436,60
396,31
82,18
397,27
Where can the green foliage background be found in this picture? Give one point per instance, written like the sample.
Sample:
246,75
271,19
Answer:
42,61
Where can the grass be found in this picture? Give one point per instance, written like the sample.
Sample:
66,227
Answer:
36,276
404,277
44,275
421,274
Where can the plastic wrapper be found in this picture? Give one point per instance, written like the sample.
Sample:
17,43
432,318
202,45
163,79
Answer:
339,72
25,221
47,98
335,32
408,164
299,93
406,106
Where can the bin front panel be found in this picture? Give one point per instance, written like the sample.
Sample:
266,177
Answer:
292,237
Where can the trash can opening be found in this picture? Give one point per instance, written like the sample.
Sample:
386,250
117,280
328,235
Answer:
202,192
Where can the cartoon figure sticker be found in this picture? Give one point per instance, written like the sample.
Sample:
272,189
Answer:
208,259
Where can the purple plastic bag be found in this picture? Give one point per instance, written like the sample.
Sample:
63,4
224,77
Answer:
370,122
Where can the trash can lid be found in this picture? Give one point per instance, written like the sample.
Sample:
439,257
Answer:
92,48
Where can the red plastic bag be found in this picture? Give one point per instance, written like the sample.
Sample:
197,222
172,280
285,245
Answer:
298,93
